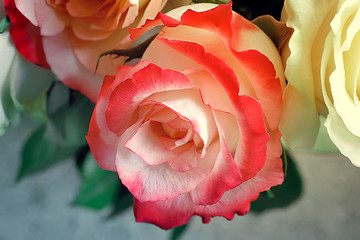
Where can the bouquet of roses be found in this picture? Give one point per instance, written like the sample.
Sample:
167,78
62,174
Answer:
193,105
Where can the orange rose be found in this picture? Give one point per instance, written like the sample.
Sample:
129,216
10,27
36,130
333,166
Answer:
68,36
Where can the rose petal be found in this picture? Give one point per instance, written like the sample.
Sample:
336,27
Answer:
301,78
247,110
149,24
27,8
210,88
156,183
26,36
255,39
188,103
146,143
88,52
103,142
228,126
251,153
129,94
67,68
186,160
345,58
267,87
178,211
217,68
223,177
295,106
216,20
49,19
166,214
345,141
338,132
130,15
84,8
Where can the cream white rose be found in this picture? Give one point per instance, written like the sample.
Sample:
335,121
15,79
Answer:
323,71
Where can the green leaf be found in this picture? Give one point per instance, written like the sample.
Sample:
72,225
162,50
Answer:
58,139
58,96
284,157
123,200
39,153
29,85
5,22
323,142
8,112
77,121
177,232
283,195
98,186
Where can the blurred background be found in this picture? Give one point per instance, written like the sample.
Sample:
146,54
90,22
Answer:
40,207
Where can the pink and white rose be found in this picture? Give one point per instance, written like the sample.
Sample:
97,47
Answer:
193,128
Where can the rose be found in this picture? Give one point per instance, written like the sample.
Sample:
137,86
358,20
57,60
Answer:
69,36
322,71
193,128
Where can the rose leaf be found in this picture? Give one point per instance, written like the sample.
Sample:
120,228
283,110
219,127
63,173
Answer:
38,153
123,201
58,139
98,187
282,195
5,22
177,232
277,31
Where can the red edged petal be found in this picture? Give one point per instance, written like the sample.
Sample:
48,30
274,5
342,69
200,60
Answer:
247,36
189,104
126,97
223,177
178,211
166,214
247,110
215,66
147,144
241,28
159,20
26,36
103,142
251,152
209,89
217,20
160,182
238,199
262,75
